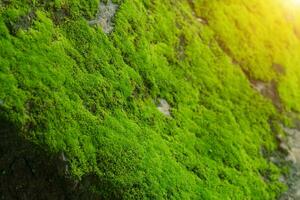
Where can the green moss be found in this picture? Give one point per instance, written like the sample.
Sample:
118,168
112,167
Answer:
262,39
71,88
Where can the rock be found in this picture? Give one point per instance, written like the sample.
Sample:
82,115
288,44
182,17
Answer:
293,137
291,158
62,157
296,152
268,90
23,22
164,107
105,16
62,164
273,159
259,86
284,148
298,193
289,131
27,171
282,179
202,20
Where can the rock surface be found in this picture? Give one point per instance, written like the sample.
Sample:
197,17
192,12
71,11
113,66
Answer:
164,107
293,143
289,147
105,16
27,172
268,90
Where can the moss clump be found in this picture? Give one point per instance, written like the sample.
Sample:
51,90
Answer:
71,88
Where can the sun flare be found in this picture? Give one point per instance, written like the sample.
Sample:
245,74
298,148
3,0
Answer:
296,2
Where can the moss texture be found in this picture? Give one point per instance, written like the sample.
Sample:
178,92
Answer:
68,87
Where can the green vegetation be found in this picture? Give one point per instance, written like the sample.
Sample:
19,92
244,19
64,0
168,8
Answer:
263,37
68,87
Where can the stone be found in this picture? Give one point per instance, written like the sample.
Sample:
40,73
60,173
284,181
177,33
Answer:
105,16
282,179
293,140
164,107
291,158
268,90
259,86
62,157
283,147
202,20
23,22
62,164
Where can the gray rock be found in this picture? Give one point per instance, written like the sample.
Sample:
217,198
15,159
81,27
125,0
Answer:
62,164
293,144
62,157
202,20
282,179
291,158
268,90
105,16
164,107
283,147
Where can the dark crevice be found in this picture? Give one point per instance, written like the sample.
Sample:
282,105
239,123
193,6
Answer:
23,22
27,171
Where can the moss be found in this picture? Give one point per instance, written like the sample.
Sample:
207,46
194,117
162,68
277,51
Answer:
72,88
243,31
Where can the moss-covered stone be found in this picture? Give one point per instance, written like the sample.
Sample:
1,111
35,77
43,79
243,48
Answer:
71,91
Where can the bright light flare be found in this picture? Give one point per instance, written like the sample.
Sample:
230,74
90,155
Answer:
295,2
291,7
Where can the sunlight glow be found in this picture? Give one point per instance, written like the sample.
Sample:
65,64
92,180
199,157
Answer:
296,2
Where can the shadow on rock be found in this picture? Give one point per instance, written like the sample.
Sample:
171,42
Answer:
28,172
